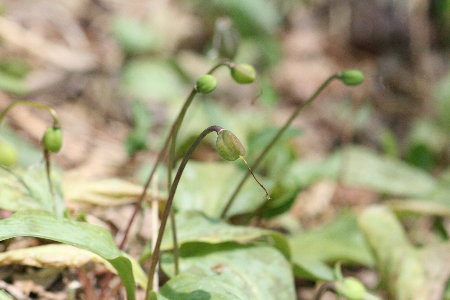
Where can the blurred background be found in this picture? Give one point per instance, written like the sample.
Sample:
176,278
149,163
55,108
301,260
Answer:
117,72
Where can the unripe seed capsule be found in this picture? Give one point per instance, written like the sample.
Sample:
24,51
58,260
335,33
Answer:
351,77
243,73
8,154
206,84
351,288
53,139
229,146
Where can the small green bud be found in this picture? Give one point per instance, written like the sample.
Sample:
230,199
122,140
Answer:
229,146
351,77
206,84
53,139
8,154
351,288
243,73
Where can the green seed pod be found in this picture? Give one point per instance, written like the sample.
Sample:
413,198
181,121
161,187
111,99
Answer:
53,139
351,288
351,77
229,146
8,154
206,84
243,73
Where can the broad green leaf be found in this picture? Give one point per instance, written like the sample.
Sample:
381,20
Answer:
41,224
231,272
62,256
420,207
194,226
340,240
195,193
364,168
150,79
398,262
22,189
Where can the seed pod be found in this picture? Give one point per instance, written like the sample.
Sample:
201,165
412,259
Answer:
8,154
351,77
229,146
206,84
53,139
243,73
351,288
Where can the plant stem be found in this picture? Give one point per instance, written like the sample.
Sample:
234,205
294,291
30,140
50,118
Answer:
50,110
173,132
49,178
326,287
274,140
170,163
167,209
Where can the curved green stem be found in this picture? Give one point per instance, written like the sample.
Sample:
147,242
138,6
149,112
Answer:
162,153
50,110
167,209
274,140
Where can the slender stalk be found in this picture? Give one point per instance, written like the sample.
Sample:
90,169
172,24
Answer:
274,140
326,287
170,163
49,178
256,179
161,156
50,110
167,209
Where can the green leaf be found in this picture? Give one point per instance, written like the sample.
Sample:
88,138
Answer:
194,194
366,169
23,189
41,224
398,262
230,272
340,240
194,226
145,78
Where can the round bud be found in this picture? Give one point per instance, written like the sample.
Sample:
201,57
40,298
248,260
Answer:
206,84
243,73
8,154
229,146
53,139
351,288
351,77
